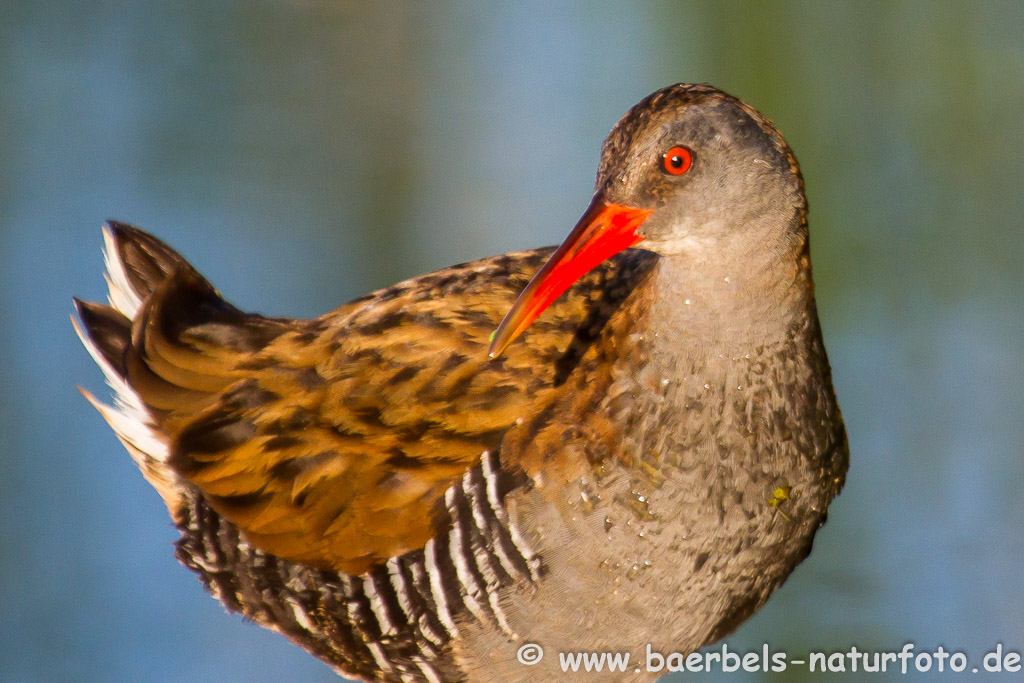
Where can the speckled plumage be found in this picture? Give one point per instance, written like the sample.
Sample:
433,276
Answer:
376,488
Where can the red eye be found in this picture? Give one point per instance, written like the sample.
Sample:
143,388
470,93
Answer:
677,161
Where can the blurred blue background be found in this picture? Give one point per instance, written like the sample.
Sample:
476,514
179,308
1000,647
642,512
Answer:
303,152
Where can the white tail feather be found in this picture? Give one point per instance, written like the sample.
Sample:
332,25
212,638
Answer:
121,294
128,416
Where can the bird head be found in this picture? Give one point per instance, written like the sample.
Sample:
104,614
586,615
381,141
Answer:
689,170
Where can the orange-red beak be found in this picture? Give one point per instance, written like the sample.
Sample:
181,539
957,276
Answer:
604,230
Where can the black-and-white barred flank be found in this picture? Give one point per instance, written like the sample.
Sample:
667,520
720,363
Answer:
394,621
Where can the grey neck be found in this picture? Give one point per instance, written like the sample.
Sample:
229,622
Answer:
735,299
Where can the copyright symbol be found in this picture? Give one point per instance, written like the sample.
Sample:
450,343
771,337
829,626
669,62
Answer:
530,654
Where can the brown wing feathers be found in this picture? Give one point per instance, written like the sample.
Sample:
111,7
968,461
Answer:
330,441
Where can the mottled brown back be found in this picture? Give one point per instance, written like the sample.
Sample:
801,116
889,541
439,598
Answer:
331,441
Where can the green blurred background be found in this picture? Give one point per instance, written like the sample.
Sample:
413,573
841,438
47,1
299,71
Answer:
303,152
